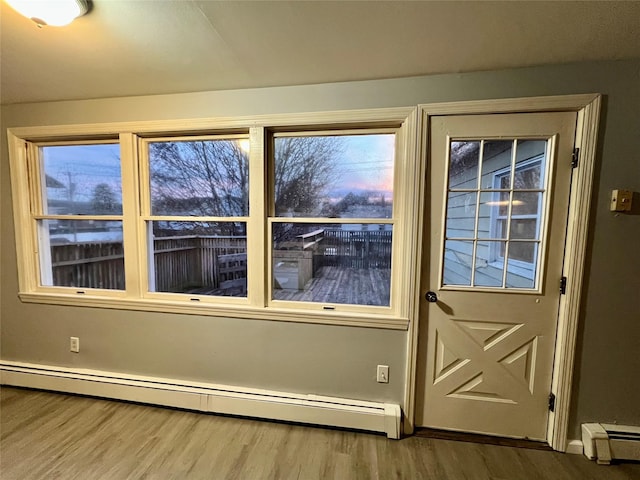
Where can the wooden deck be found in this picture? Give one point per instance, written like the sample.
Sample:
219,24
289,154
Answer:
359,286
343,285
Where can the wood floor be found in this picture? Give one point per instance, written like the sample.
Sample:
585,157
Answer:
53,436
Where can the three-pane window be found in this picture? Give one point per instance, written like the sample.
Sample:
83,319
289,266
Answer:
279,222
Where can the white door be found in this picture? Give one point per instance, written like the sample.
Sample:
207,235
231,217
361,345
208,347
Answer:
494,241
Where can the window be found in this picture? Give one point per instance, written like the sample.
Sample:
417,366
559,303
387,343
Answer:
333,223
79,216
294,221
196,215
494,213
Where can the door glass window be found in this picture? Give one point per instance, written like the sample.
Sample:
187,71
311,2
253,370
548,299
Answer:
495,201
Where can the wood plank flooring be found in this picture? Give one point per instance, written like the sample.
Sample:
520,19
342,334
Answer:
54,436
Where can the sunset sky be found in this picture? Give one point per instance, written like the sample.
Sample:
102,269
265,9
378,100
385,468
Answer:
366,165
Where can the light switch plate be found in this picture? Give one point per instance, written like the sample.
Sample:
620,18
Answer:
382,375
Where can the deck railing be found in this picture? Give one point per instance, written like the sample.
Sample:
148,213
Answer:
354,249
190,261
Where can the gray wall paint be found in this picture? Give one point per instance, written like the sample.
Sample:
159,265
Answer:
341,360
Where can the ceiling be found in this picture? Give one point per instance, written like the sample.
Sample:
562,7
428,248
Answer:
141,47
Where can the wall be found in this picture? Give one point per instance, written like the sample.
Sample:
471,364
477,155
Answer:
341,360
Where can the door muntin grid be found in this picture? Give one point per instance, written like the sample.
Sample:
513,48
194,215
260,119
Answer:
495,213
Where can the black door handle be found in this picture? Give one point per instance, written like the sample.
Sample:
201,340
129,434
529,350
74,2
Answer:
431,297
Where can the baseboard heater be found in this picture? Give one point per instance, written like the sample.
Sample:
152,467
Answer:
604,442
266,404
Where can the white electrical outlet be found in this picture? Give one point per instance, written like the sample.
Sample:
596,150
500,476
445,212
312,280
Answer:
383,374
74,344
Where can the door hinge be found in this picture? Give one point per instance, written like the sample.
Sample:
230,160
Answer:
552,402
575,156
563,285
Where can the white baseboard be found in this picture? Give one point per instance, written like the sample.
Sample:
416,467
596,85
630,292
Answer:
204,397
575,447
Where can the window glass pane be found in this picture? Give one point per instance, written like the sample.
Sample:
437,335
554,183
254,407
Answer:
457,262
487,273
490,204
528,178
332,263
524,228
506,214
501,229
199,258
496,156
503,203
200,178
530,175
526,203
522,251
519,274
83,253
463,165
461,214
82,179
346,176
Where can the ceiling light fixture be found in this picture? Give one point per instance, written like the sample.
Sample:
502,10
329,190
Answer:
56,13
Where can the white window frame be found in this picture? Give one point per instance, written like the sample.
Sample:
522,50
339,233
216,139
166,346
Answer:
39,235
133,136
147,217
272,219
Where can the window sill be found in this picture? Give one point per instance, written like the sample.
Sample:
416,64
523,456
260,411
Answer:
368,320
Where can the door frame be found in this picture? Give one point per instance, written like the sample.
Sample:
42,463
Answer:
587,106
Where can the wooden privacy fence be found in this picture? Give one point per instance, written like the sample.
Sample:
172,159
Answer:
182,263
186,262
88,265
179,262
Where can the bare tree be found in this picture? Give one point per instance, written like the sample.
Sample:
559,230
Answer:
305,168
200,178
211,177
104,199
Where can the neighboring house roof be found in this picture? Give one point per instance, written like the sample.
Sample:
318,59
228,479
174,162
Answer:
53,183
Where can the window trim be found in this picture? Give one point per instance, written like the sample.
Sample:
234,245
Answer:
408,172
146,217
272,218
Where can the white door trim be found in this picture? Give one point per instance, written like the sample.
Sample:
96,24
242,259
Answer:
587,107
